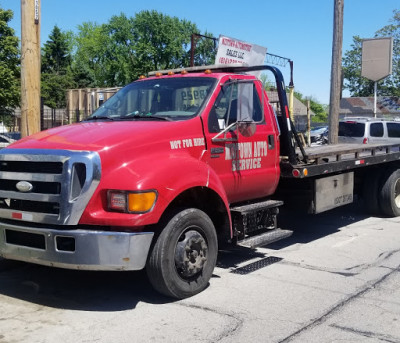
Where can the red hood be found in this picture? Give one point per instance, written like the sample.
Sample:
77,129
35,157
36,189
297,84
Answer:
98,136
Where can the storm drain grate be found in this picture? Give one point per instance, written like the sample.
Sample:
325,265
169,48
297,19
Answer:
252,267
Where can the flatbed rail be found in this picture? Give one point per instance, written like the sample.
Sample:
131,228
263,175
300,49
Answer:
329,159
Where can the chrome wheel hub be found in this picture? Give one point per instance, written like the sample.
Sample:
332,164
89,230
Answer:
190,254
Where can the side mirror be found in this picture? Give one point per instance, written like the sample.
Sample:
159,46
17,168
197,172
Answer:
245,102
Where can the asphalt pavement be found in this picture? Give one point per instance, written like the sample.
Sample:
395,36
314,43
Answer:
336,279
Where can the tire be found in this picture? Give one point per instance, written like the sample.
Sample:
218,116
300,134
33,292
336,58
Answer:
389,195
371,190
184,255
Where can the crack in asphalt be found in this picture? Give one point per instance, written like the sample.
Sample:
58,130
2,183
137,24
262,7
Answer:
321,269
226,332
339,306
348,272
369,334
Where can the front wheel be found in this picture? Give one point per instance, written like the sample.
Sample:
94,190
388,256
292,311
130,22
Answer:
183,258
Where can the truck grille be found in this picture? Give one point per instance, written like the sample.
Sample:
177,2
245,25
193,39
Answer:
47,186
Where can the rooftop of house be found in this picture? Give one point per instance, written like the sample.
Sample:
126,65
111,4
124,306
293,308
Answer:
364,106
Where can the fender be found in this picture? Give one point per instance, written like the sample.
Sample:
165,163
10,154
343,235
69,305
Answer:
174,174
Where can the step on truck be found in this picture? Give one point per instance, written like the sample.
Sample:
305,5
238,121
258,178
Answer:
171,167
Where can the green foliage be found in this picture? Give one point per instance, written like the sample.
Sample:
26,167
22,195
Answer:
161,41
90,47
56,57
9,65
118,52
320,110
392,83
266,82
53,89
56,75
359,86
205,50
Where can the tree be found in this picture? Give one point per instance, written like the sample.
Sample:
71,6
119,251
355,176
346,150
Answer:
9,66
56,75
53,89
392,83
118,52
56,57
353,81
161,41
320,110
359,86
90,47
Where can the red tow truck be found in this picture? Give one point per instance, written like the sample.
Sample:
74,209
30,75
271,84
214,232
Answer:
171,166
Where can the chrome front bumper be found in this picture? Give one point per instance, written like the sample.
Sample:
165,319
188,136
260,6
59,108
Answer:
75,249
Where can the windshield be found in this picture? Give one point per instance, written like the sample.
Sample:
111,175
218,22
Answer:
160,99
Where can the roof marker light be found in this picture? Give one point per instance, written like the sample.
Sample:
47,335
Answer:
171,73
158,74
208,71
183,72
141,77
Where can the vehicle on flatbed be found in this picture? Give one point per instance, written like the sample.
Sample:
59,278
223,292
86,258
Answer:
171,167
369,130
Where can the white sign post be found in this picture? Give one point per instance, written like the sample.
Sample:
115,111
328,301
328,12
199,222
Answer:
233,51
376,61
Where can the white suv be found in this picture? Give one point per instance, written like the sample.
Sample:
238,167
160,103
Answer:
369,130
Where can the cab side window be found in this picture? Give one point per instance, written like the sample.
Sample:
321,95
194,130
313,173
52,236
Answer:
224,110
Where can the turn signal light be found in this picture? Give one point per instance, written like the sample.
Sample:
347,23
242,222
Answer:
141,202
131,202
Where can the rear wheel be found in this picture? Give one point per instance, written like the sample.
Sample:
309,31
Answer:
389,195
184,256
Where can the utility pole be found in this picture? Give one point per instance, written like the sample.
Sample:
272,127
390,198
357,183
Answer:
336,72
30,67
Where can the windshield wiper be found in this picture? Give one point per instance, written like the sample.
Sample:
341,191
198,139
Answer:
99,118
147,116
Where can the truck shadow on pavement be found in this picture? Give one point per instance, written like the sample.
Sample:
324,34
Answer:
119,291
76,289
307,228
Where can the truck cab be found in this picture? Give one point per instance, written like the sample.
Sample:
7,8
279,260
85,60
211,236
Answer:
162,172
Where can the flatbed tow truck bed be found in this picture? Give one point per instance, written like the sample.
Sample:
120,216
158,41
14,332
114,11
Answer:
322,160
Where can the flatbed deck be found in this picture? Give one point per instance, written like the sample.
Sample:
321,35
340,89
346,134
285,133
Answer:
327,159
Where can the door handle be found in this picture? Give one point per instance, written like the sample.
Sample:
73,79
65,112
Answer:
271,142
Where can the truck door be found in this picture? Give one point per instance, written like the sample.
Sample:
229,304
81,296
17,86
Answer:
243,151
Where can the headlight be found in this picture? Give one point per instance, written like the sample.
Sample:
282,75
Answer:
131,202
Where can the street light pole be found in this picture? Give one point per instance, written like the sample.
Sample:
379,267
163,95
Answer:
30,67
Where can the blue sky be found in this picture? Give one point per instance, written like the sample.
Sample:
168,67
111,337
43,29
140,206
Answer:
298,29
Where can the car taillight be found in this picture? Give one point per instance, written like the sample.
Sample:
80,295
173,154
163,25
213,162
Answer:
365,140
